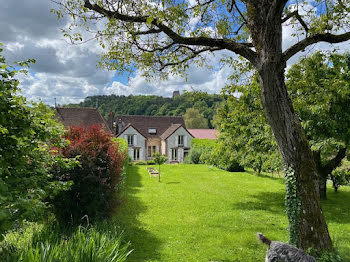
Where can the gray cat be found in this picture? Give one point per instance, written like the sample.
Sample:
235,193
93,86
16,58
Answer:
281,252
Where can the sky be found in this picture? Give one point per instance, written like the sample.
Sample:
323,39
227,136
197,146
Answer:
69,72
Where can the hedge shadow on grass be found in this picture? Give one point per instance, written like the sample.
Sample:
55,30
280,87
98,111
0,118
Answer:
144,244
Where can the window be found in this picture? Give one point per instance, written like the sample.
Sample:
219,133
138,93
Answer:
181,140
136,153
174,154
152,131
130,140
151,150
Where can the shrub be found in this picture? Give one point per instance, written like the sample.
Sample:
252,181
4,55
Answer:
340,177
140,163
151,162
93,193
194,156
211,152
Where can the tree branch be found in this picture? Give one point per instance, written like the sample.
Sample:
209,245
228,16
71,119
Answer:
242,49
160,49
336,161
298,17
148,32
327,37
194,54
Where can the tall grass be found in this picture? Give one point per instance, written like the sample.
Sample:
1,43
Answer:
103,243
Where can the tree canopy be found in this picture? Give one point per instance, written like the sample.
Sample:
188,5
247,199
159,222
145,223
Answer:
194,119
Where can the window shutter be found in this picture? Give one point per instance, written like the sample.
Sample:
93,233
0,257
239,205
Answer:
131,153
177,140
185,141
169,155
135,140
141,154
126,137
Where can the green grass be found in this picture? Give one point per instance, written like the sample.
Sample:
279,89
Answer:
199,213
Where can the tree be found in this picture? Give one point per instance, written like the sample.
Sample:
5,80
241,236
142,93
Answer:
28,135
159,160
194,119
244,131
159,37
320,90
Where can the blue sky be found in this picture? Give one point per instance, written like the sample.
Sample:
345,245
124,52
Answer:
69,73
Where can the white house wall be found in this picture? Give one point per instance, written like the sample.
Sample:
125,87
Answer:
172,142
139,142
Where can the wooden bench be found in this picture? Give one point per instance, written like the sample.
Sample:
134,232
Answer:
152,171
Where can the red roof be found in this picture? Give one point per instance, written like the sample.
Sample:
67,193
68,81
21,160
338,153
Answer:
204,133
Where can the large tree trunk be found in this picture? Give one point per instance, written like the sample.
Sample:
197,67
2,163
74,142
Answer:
296,154
265,26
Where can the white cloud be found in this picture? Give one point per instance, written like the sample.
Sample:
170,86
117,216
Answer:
69,73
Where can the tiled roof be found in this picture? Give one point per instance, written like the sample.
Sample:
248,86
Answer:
127,126
170,131
143,123
71,116
204,133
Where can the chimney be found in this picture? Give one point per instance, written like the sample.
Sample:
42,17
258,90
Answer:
110,121
119,126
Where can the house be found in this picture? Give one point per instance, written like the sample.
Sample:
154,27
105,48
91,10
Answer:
72,116
204,133
149,134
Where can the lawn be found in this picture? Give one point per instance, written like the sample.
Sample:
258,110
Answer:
199,213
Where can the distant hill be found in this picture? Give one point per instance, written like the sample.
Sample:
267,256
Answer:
155,105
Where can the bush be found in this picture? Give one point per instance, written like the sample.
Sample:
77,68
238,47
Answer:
340,177
194,156
151,162
95,181
140,163
52,244
211,152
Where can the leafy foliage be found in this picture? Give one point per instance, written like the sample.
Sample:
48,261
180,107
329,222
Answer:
340,177
27,134
155,105
244,132
211,152
52,244
319,87
194,119
293,206
93,193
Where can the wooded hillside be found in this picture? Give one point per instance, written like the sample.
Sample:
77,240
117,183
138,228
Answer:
155,105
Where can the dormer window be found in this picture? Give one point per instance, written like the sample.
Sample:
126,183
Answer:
152,131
